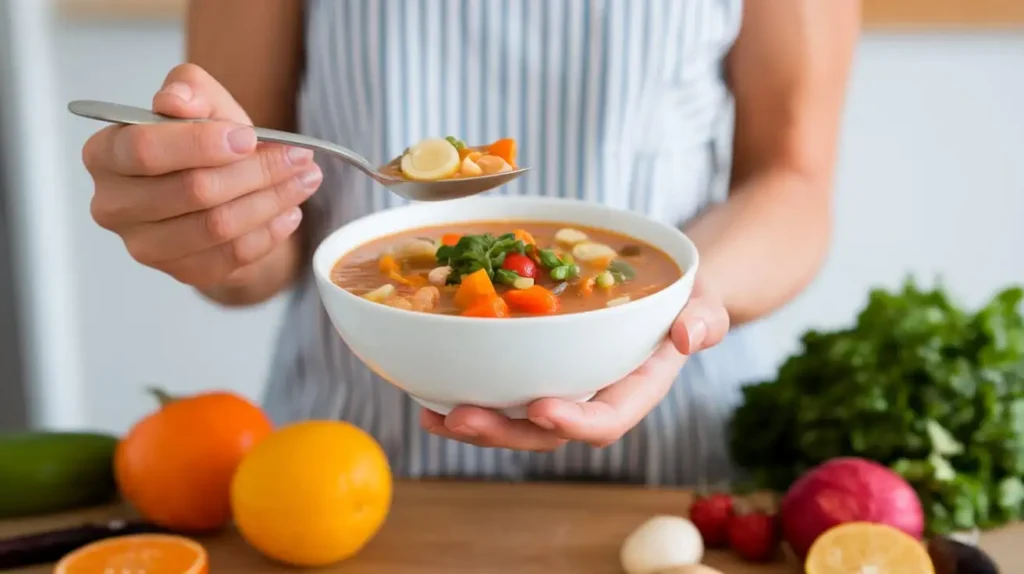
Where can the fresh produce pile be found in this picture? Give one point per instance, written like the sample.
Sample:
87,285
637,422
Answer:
919,385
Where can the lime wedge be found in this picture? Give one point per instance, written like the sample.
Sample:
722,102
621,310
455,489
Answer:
431,160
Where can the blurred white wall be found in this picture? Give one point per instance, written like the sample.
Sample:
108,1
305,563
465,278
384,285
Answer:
931,181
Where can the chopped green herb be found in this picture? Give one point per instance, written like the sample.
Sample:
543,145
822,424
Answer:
474,252
459,144
622,271
549,259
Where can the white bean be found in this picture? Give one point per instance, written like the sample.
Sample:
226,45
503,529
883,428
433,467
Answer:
618,301
439,275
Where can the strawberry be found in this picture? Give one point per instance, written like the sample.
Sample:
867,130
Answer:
711,514
754,536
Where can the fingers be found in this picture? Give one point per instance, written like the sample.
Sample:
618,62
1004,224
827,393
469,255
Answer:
702,324
485,428
154,243
218,264
125,201
616,409
165,148
191,92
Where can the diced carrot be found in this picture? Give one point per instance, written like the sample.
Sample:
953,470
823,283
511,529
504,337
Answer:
536,300
524,236
494,307
475,286
388,265
587,286
505,149
450,238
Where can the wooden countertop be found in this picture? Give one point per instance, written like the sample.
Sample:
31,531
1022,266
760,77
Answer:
472,527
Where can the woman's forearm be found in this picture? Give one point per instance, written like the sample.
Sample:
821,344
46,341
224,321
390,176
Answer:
760,248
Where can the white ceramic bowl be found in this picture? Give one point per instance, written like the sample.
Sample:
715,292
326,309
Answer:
443,361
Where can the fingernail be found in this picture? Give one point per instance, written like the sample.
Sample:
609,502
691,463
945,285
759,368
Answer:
242,140
287,222
696,330
299,156
464,431
311,178
182,90
543,423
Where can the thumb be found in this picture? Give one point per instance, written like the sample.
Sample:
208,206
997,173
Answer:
190,92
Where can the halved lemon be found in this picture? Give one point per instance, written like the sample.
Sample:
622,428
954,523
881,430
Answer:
867,548
431,160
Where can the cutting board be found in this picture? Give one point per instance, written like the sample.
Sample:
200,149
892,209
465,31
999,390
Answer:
445,527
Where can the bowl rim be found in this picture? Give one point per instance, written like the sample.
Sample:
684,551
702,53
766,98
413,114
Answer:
325,282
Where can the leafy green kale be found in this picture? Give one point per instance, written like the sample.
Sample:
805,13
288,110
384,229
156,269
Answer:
918,384
474,252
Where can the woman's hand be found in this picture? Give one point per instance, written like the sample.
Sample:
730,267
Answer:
612,412
200,201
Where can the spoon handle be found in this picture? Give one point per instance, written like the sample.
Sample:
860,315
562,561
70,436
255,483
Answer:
131,115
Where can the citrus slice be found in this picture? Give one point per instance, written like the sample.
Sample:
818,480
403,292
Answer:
149,553
867,548
431,160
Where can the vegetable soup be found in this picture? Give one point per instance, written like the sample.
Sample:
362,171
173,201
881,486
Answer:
505,269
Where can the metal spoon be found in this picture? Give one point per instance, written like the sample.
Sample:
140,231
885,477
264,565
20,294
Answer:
414,190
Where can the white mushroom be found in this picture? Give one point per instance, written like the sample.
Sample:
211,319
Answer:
661,543
590,252
439,275
569,236
382,293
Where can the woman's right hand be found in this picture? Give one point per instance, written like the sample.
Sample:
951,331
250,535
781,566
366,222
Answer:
202,202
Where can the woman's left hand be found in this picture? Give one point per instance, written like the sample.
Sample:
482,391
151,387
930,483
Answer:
612,412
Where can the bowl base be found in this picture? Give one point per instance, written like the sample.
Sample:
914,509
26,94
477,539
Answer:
511,412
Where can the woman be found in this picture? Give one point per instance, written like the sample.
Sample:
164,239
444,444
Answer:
626,102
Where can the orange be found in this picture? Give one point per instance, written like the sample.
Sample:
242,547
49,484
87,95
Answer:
312,493
858,547
149,553
175,465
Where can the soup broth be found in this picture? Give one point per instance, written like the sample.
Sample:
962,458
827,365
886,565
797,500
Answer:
505,269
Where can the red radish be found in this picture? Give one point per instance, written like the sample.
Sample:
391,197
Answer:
847,490
711,516
521,264
754,536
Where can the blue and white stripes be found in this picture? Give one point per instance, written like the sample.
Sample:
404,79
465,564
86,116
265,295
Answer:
621,102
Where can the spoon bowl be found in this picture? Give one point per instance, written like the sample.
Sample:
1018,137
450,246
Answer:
386,175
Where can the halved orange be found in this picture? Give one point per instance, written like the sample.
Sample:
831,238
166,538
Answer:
867,548
149,553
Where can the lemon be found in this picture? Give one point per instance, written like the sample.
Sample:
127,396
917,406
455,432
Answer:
431,160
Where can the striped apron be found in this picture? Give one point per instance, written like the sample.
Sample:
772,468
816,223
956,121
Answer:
621,102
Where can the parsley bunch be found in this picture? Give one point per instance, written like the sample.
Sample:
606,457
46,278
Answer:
918,384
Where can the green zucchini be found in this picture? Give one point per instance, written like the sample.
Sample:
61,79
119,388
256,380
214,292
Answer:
43,472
